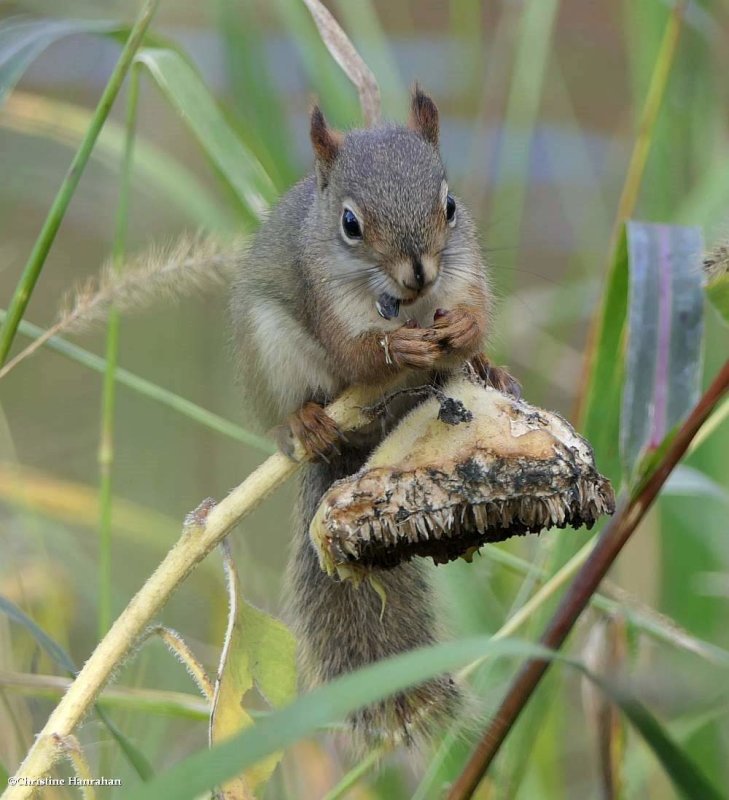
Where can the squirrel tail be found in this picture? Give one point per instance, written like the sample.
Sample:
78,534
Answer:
341,627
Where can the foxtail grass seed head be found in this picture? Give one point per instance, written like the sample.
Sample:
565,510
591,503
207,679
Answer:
716,262
464,468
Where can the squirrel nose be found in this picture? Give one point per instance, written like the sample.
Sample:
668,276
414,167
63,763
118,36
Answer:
418,272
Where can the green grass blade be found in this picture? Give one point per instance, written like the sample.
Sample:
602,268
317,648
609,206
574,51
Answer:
323,706
535,29
589,397
43,243
333,89
256,100
331,703
665,331
186,92
686,481
53,649
150,390
133,755
106,437
644,618
363,27
156,171
707,200
602,410
22,40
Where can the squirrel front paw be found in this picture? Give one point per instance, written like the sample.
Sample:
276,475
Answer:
411,346
458,330
309,434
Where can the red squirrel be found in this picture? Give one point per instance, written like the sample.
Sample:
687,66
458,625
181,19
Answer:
367,271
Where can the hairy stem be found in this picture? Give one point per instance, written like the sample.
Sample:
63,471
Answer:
607,549
182,652
202,532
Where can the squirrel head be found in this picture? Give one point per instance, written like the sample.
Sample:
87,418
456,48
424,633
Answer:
384,199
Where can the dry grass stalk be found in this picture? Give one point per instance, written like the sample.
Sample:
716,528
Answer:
351,62
191,265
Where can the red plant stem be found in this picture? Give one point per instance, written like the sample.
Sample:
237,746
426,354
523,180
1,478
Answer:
586,582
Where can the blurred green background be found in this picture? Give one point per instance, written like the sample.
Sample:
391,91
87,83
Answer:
539,103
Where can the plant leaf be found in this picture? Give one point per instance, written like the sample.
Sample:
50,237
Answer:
665,331
53,649
323,706
260,652
133,754
602,409
332,702
64,660
22,40
259,107
187,93
154,169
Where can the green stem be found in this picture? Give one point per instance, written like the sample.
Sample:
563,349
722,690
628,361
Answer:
106,440
148,389
43,243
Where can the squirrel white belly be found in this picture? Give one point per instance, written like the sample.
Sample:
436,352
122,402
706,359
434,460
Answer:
367,271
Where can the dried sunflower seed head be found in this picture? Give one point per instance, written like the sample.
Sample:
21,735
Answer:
467,467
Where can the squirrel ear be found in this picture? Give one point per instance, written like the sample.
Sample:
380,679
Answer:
326,144
424,116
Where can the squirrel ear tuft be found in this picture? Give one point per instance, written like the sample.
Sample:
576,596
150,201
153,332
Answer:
326,144
424,116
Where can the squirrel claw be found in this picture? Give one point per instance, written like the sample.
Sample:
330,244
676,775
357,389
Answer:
497,377
309,434
411,347
457,330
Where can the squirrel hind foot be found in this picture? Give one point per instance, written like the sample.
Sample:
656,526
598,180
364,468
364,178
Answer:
309,433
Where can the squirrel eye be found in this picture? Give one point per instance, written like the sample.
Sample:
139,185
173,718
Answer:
350,224
451,209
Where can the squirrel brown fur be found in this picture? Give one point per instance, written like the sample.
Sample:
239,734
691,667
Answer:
367,271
